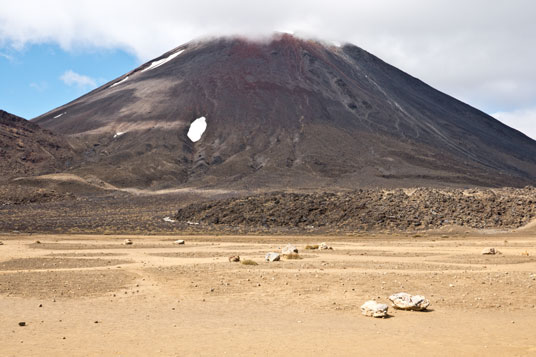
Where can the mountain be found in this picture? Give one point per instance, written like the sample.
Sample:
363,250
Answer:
285,113
27,149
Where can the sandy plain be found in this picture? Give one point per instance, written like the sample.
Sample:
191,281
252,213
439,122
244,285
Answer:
90,295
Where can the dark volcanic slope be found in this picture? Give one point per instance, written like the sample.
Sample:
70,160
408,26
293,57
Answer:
27,149
286,113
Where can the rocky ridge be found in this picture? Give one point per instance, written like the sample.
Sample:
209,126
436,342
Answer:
370,210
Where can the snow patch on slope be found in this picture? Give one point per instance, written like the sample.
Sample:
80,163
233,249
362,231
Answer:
119,133
197,128
59,115
158,63
121,81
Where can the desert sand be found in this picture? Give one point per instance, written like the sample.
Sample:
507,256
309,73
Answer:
91,295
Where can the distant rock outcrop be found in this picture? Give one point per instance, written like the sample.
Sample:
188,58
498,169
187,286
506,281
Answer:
396,210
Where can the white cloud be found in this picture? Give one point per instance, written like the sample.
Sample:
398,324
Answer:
522,120
72,78
39,86
6,56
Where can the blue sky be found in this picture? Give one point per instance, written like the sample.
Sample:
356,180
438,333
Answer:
481,52
40,77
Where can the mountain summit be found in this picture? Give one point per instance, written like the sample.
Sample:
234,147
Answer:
285,113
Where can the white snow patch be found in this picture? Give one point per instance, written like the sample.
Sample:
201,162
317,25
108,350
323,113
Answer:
190,223
121,81
197,128
167,219
59,115
158,63
119,133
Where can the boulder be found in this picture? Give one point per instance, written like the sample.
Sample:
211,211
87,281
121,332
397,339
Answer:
373,309
272,257
490,251
324,246
178,241
289,249
234,259
404,301
127,242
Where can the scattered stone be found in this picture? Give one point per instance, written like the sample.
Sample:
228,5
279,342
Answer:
127,242
490,251
179,241
272,257
373,309
404,301
1,243
525,254
324,246
289,249
234,259
22,323
37,242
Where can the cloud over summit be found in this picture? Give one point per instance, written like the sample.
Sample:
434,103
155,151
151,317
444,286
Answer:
72,78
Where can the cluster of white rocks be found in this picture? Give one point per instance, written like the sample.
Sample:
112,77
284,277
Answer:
400,301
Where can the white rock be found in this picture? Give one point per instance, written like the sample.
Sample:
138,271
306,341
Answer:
178,241
127,242
374,309
272,257
324,246
289,249
404,301
489,251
